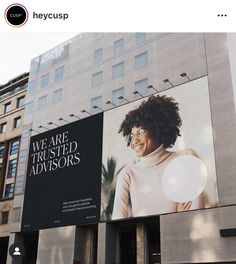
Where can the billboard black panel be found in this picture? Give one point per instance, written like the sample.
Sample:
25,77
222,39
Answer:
63,183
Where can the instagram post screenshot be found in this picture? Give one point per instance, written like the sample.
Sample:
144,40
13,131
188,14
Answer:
117,132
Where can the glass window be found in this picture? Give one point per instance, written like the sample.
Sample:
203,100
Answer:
97,79
17,122
9,190
57,96
7,108
118,46
44,81
97,56
11,171
140,37
4,218
141,60
42,102
115,94
54,56
15,147
2,148
118,70
31,87
96,102
20,101
98,35
29,108
141,86
34,66
59,73
3,127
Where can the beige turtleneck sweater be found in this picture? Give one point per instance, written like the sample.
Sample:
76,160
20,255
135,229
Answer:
140,186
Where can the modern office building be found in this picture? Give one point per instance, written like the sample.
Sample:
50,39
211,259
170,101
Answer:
92,73
12,104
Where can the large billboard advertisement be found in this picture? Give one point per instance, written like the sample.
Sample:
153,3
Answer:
149,157
63,184
158,154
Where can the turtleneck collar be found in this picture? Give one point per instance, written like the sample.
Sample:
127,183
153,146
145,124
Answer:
154,158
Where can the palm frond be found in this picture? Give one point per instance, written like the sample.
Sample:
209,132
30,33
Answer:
109,176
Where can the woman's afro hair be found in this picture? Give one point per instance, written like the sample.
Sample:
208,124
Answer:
159,115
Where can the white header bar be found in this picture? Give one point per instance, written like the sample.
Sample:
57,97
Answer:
124,16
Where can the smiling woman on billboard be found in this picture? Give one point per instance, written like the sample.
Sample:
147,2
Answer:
155,183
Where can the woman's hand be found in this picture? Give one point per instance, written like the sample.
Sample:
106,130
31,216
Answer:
183,206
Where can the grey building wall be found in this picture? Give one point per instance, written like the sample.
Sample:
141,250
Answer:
194,237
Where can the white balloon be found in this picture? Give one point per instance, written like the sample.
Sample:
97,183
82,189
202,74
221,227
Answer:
184,178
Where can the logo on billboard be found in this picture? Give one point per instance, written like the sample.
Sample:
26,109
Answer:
16,15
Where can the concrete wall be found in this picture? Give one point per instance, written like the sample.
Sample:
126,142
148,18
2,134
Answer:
194,237
6,206
56,245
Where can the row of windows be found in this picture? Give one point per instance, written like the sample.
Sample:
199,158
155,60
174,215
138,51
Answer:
117,49
59,73
118,70
140,37
19,103
50,58
140,86
43,101
16,124
44,80
11,167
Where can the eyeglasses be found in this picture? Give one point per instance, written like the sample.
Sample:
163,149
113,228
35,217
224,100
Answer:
141,132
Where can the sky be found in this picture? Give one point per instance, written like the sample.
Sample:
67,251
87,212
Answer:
18,49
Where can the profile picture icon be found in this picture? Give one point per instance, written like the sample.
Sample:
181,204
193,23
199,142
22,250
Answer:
16,15
17,252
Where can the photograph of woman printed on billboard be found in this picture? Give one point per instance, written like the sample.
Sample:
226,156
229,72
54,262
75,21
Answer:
158,154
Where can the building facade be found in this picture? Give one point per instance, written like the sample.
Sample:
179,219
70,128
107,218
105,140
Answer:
96,72
12,104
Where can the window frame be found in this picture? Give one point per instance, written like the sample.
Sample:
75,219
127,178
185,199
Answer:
116,49
59,72
98,58
12,148
44,105
11,168
115,72
4,217
54,98
137,64
3,127
93,84
15,122
138,39
117,101
5,109
11,190
18,100
138,89
99,98
42,84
